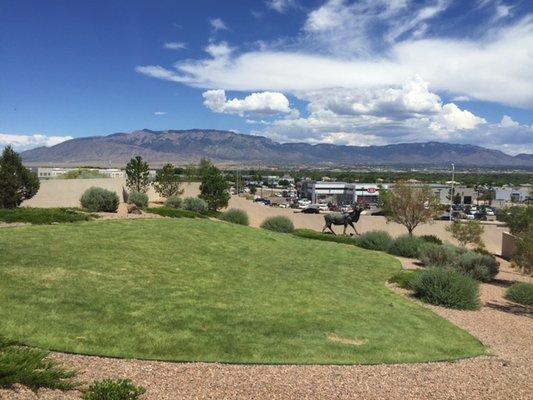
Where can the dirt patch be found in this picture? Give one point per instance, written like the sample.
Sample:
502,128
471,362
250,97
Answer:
351,342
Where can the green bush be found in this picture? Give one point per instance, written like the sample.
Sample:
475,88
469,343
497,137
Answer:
311,234
375,240
404,279
407,246
481,267
195,204
31,368
278,224
174,212
521,293
97,199
236,216
448,288
431,239
43,215
121,389
438,255
139,199
174,201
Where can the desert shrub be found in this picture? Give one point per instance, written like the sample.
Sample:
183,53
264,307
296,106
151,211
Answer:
438,255
195,204
31,368
431,239
99,200
174,202
311,234
405,278
375,240
43,215
468,232
448,288
407,246
174,212
521,293
121,389
236,216
481,267
278,224
139,199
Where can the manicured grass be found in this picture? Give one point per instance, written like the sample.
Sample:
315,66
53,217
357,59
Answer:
43,215
196,289
181,213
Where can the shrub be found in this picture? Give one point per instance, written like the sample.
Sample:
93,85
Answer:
139,199
98,199
431,239
375,240
121,389
195,204
405,278
31,368
438,255
174,202
43,215
407,246
311,234
467,232
481,267
174,212
448,288
521,293
236,216
278,224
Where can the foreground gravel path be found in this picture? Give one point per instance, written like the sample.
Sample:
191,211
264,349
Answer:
506,328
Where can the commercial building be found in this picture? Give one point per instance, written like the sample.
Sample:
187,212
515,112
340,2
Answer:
341,193
516,194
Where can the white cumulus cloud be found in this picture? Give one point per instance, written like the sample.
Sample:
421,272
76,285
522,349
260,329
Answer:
218,24
263,103
26,142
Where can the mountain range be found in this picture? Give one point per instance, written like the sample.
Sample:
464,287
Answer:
224,147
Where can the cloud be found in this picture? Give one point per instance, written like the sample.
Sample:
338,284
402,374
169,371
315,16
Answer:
156,71
280,6
264,103
218,24
26,142
461,98
508,122
174,45
160,113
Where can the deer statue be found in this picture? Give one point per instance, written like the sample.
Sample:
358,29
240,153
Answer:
345,219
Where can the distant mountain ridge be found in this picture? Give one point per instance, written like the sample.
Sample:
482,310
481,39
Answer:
185,146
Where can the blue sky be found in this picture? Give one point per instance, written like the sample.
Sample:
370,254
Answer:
347,72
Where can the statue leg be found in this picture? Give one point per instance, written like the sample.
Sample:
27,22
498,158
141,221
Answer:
331,229
353,226
344,232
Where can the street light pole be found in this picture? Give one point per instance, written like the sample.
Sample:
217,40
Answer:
452,194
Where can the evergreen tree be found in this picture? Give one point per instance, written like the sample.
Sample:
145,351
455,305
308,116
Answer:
137,175
214,189
17,183
167,182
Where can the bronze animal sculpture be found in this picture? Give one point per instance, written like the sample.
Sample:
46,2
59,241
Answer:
345,219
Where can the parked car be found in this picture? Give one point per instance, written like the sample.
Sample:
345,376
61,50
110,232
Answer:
490,211
311,210
323,207
265,202
284,205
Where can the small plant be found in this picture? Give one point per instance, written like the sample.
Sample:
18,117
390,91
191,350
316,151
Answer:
407,246
43,215
174,201
431,239
174,212
467,233
404,279
375,240
521,293
278,224
97,199
481,267
107,389
236,216
438,255
139,199
448,288
31,368
194,204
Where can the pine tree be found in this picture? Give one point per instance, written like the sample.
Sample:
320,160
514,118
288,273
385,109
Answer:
214,189
137,175
17,183
167,181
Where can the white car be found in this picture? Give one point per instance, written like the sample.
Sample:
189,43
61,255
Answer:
323,207
470,216
490,212
283,205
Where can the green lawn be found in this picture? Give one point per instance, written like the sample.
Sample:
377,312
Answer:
195,289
